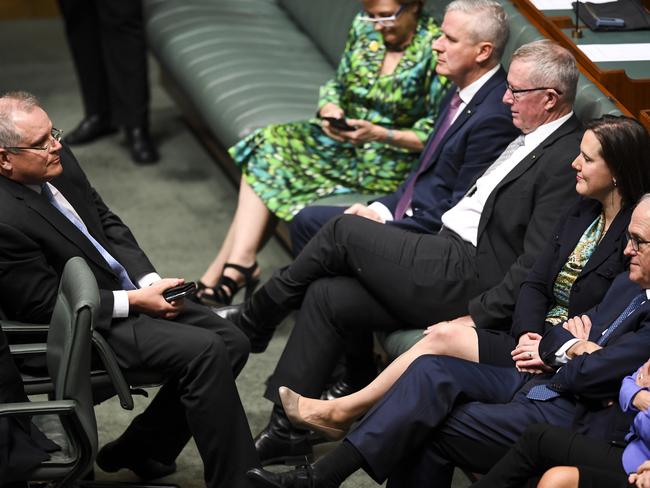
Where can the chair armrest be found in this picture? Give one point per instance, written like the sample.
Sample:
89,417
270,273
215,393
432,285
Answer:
27,349
22,327
38,408
112,367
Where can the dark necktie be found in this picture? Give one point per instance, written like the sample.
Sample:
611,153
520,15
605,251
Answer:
405,200
114,264
544,393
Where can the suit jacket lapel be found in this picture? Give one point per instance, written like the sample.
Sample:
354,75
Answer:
496,79
610,243
55,218
569,126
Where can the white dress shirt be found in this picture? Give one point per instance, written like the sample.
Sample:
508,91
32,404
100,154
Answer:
464,217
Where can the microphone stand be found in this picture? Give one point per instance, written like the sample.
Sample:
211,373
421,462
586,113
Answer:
576,33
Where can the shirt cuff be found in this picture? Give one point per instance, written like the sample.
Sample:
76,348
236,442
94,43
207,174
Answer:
148,280
120,304
383,211
560,354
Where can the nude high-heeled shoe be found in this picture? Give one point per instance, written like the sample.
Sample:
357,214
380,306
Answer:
291,401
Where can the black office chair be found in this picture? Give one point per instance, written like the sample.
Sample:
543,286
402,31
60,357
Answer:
68,418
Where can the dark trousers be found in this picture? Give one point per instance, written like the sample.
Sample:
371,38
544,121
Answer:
308,222
357,276
200,354
445,412
542,447
108,46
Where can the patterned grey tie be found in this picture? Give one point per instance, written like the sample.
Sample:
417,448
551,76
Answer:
505,155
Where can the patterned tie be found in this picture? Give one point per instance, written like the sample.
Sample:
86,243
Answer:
405,200
544,393
114,264
505,155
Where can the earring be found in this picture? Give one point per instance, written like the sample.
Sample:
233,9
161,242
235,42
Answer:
614,181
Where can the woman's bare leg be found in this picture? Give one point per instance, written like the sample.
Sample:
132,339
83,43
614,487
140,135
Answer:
560,477
444,339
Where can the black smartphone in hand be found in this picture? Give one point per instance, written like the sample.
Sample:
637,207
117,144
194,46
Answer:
339,124
180,291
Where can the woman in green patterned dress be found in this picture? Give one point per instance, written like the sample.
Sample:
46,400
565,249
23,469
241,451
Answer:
386,88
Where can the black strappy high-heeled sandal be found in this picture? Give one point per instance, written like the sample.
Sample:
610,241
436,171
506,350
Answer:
226,288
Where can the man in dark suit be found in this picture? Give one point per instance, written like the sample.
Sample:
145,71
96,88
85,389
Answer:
356,276
52,213
445,411
473,129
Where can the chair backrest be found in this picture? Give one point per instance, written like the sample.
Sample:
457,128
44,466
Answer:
68,347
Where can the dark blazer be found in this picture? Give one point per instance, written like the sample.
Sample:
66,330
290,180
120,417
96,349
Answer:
36,241
608,261
517,220
595,379
474,141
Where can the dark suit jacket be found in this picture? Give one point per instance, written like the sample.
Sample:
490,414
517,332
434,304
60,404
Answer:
36,241
474,141
517,220
595,379
608,261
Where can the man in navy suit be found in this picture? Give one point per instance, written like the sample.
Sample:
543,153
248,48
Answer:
480,129
447,412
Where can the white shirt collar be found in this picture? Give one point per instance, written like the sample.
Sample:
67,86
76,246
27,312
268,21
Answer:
647,293
536,137
467,93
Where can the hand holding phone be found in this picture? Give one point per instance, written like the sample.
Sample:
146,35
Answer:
339,124
180,291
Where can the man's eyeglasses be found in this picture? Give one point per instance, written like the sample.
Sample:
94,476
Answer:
517,91
55,136
635,241
385,21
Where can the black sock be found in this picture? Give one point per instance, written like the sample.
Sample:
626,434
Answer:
335,467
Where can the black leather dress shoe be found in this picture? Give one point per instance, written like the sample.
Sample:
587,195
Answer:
281,443
89,129
301,477
114,456
141,147
259,337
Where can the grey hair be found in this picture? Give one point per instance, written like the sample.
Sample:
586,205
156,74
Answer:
644,197
552,66
10,103
489,22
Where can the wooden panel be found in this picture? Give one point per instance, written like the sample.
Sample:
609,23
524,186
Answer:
21,9
631,95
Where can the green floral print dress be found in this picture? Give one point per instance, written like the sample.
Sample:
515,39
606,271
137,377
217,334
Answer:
293,164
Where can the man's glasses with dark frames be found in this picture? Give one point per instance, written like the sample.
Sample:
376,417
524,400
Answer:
55,135
516,91
635,241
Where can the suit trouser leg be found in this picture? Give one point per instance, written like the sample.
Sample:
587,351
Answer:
420,402
200,398
476,435
543,446
308,222
334,311
422,279
84,38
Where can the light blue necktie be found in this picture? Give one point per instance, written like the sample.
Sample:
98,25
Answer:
544,393
114,264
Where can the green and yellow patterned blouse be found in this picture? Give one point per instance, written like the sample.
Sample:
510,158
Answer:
572,268
291,165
